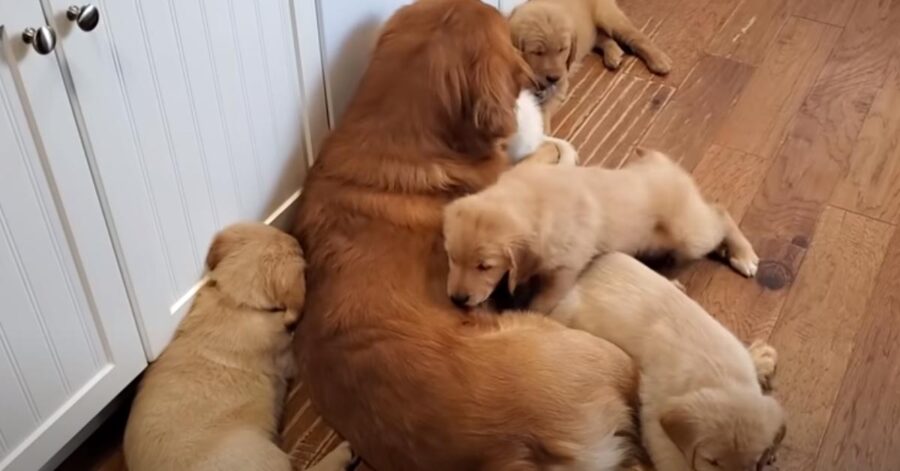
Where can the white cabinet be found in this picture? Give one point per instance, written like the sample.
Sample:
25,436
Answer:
121,153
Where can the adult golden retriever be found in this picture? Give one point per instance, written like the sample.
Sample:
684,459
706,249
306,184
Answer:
411,381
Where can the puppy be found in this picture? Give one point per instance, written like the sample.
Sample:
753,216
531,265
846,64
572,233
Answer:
213,398
555,35
702,406
530,140
550,221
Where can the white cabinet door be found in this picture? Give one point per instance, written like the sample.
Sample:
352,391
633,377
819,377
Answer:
193,117
348,29
68,340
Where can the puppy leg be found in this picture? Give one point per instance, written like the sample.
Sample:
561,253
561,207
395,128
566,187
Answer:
612,52
338,460
765,359
616,25
739,251
554,289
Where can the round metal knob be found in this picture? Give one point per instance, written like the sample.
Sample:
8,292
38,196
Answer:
42,39
87,17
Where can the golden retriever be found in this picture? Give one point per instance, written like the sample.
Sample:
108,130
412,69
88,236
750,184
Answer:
555,35
212,399
702,407
549,222
391,364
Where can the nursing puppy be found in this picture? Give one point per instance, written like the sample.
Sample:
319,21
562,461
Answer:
212,399
702,405
555,36
550,221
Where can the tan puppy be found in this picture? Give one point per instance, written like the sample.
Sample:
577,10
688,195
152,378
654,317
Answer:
555,36
213,398
551,221
702,407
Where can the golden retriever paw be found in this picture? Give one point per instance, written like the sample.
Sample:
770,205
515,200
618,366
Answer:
765,359
660,63
746,264
340,459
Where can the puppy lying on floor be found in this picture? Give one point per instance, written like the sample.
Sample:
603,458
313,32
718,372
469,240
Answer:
702,405
555,36
550,221
212,399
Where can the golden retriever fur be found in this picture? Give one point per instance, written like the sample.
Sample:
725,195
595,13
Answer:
702,407
549,222
555,36
411,381
212,399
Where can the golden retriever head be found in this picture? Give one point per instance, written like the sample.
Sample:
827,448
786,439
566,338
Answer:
484,242
725,430
446,67
259,267
546,36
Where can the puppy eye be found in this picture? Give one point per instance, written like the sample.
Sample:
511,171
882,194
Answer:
274,309
561,49
483,266
538,53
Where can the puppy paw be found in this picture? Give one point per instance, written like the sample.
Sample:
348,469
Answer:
340,459
746,264
613,59
679,285
765,359
659,63
567,153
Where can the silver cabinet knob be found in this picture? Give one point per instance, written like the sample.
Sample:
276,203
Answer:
42,39
86,17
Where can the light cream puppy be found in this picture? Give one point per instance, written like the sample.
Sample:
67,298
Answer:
702,406
212,400
550,221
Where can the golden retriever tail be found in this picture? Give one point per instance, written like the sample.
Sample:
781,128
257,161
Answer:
610,18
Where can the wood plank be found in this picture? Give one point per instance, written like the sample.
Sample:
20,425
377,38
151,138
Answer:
686,126
770,100
833,12
815,153
682,29
823,313
864,431
730,178
588,89
871,186
750,30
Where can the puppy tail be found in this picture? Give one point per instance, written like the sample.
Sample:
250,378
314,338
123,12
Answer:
567,153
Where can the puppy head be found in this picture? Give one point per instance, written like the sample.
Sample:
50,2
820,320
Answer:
484,241
545,35
725,430
259,267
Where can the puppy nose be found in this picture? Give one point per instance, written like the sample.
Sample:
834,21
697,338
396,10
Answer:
460,299
552,78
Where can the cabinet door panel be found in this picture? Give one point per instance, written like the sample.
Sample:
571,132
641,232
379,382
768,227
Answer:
194,114
68,341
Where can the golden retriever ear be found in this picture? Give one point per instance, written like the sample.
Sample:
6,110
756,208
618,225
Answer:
573,44
495,91
522,265
681,428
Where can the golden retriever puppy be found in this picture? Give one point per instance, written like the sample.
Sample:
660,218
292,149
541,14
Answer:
555,35
390,362
550,221
212,399
702,407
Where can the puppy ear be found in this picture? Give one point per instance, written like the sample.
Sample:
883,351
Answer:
287,280
220,246
573,44
681,427
522,265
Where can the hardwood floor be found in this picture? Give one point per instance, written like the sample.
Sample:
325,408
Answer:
788,113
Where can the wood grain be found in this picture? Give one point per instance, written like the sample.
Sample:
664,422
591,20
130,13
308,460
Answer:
685,127
823,313
864,431
759,120
750,30
871,184
818,146
825,11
